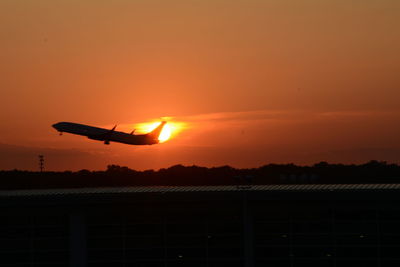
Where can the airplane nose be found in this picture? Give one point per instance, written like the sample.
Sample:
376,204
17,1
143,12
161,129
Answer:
56,126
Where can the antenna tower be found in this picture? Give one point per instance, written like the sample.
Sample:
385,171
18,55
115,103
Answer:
41,163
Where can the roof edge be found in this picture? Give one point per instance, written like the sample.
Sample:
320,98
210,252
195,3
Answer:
179,189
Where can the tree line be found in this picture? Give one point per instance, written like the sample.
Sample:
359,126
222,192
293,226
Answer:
179,175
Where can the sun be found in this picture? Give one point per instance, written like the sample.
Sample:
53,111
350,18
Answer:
170,129
165,133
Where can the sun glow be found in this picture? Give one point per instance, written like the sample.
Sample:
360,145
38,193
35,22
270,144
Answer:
170,129
165,133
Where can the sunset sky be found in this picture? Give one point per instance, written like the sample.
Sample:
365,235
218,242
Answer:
253,82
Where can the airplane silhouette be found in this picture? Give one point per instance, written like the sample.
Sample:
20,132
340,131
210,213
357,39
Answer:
108,136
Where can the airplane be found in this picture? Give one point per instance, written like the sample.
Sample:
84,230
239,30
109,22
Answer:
111,135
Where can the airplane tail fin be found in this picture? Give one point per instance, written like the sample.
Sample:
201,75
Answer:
156,132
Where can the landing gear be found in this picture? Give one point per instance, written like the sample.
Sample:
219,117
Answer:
61,133
106,142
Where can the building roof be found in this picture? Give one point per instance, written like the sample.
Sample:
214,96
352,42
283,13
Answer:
178,189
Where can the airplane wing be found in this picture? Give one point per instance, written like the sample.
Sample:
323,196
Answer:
108,135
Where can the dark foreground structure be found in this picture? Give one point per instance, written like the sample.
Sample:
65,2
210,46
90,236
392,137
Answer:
263,225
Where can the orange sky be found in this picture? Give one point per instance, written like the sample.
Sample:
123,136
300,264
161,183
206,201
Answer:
256,81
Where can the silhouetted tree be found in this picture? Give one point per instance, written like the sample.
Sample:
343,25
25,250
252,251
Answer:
115,175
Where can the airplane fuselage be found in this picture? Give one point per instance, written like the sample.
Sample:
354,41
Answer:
106,135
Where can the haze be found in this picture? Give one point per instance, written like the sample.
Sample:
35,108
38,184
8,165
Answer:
254,82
